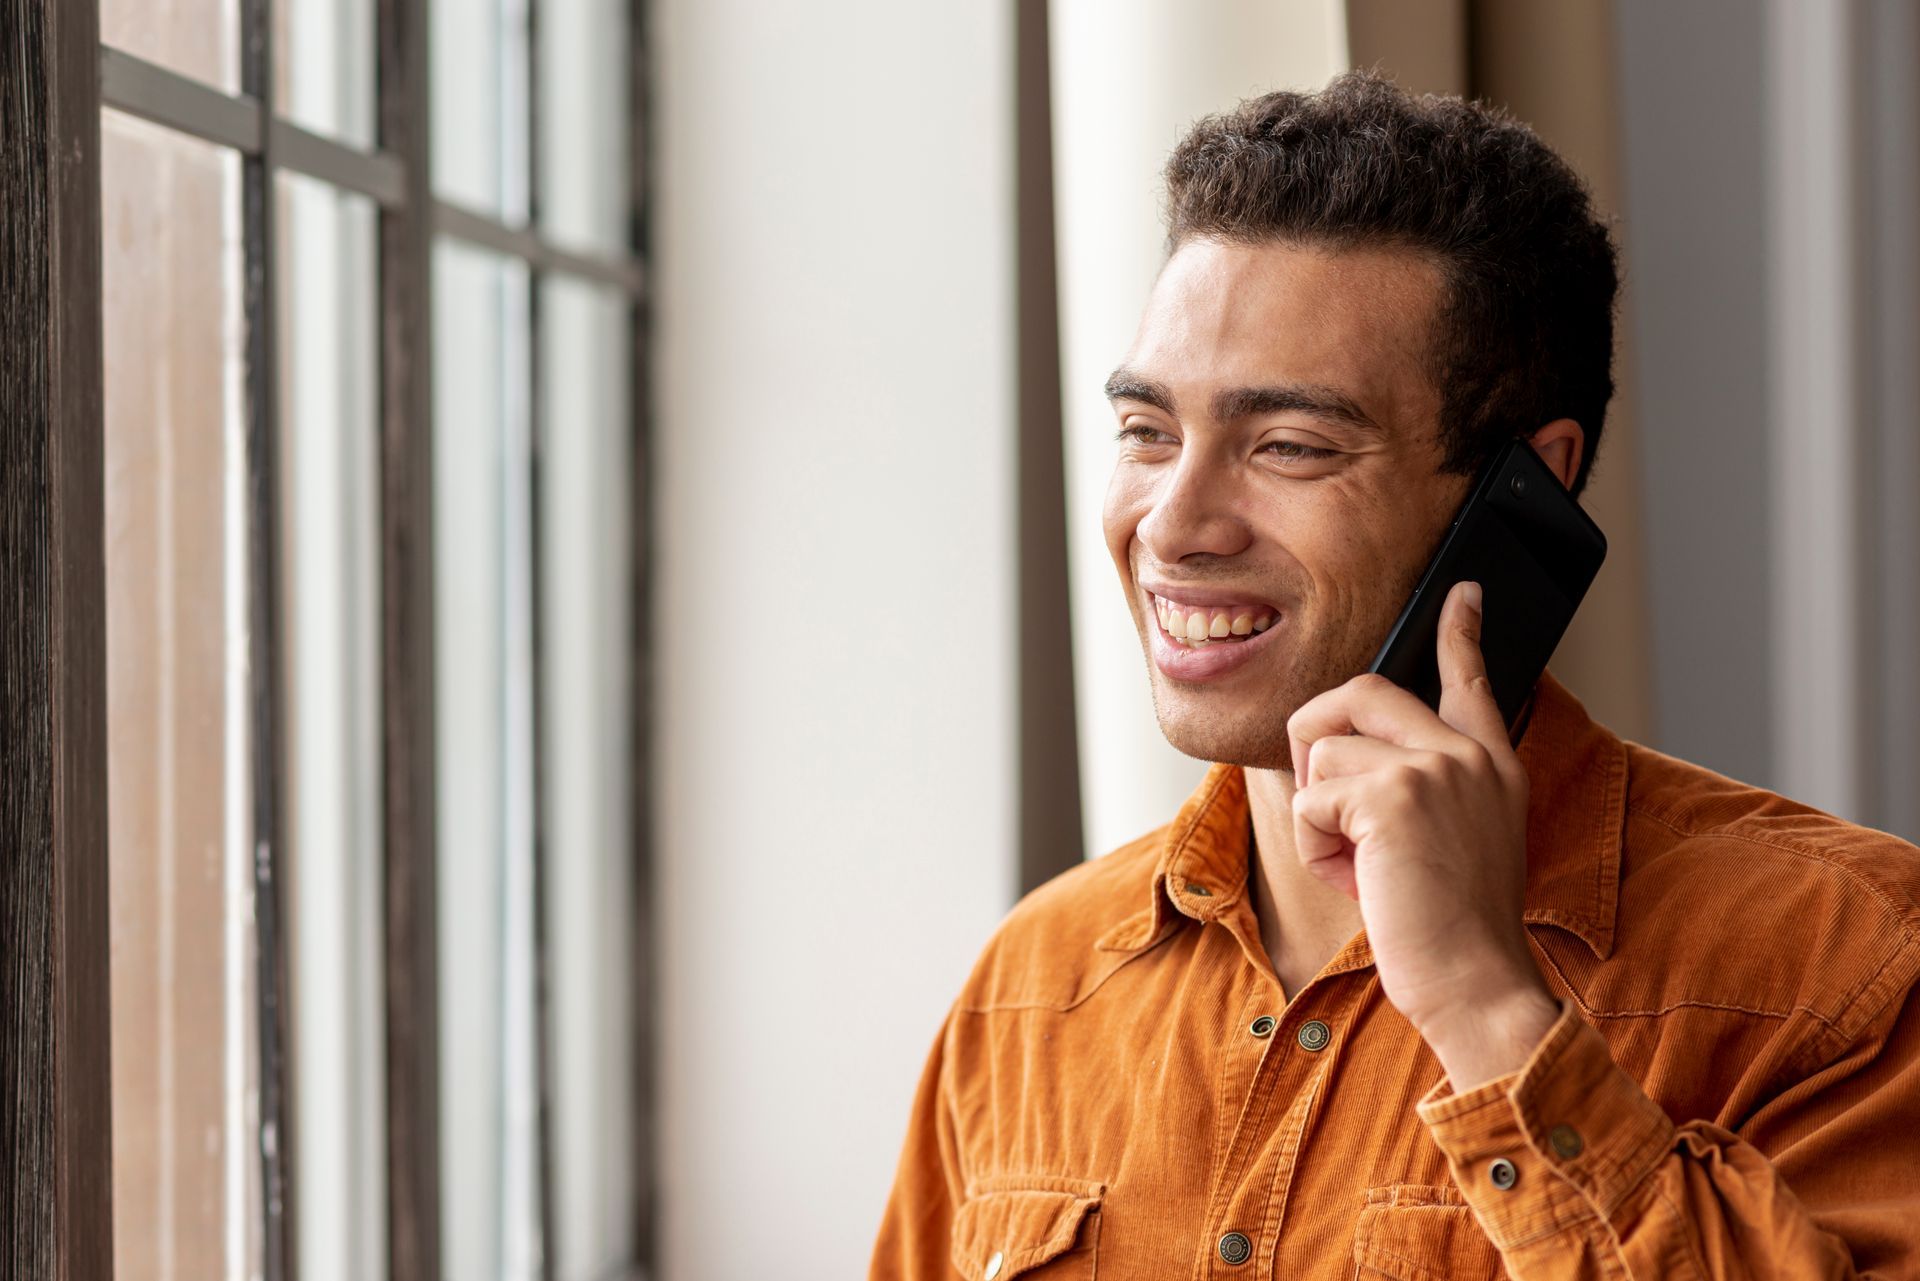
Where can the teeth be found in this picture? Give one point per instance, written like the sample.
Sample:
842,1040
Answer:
1196,627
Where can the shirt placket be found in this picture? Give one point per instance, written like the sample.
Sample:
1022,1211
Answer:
1276,1073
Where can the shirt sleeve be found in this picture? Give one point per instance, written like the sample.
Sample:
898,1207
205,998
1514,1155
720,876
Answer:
1573,1172
916,1229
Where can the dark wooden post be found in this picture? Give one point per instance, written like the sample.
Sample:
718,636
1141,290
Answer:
56,1203
1049,779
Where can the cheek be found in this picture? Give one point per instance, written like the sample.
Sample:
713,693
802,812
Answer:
1352,548
1127,502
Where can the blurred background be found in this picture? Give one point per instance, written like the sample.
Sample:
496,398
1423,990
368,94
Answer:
605,602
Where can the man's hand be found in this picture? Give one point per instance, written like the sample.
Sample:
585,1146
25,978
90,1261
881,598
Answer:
1423,818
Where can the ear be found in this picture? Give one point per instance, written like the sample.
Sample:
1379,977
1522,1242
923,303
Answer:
1561,444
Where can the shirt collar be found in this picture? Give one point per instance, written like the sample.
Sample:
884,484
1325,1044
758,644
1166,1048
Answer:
1577,777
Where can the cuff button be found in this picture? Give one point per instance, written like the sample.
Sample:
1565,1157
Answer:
1565,1141
1503,1173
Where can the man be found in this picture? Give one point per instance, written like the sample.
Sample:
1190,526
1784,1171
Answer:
1392,996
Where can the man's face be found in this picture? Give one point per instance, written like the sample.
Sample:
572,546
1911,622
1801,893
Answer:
1279,461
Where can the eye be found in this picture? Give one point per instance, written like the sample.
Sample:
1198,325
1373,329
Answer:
1138,433
1294,451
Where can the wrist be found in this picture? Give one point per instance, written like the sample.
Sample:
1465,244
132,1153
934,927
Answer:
1483,1039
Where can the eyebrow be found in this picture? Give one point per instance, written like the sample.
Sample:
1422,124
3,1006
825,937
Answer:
1326,403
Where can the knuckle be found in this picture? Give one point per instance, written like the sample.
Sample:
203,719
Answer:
1474,758
1407,783
1369,682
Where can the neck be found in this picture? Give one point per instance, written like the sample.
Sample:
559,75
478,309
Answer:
1303,920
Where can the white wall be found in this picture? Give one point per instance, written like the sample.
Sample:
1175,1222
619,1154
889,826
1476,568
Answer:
835,735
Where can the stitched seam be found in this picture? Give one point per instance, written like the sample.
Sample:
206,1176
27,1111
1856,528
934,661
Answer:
1259,1124
1812,1054
1811,855
1420,1270
1023,1181
1729,1006
1867,983
1077,1001
1562,1212
1686,1234
1223,1129
1289,1159
1592,1013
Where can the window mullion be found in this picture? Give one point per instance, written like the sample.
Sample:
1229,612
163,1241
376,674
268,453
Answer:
542,847
639,246
265,679
407,650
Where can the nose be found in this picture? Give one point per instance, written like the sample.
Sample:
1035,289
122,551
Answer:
1193,511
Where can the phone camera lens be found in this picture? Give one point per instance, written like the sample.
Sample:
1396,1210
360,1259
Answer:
1518,485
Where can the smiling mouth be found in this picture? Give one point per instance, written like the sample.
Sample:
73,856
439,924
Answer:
1197,626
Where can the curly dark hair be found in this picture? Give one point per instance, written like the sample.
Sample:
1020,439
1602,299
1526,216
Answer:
1525,333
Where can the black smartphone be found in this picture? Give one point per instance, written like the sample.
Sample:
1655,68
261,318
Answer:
1534,551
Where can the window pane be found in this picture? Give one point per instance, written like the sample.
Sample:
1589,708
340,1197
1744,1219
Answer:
198,38
180,875
329,510
583,122
585,463
323,66
480,105
483,696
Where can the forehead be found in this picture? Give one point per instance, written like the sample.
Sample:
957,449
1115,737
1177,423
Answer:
1245,315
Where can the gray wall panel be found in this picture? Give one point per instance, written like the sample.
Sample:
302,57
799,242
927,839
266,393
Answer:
1694,238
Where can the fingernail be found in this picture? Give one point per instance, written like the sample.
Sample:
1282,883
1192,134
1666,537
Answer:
1471,594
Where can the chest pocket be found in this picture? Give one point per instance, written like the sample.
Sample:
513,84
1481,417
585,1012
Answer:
1408,1232
1040,1226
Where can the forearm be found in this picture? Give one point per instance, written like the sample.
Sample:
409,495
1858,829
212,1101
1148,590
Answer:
1573,1172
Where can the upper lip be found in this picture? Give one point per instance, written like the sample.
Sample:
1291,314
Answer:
1199,597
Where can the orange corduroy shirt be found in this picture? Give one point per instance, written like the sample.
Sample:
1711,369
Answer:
1122,1091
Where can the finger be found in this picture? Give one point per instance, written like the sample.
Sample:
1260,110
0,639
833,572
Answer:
1321,814
1345,755
1368,704
1466,694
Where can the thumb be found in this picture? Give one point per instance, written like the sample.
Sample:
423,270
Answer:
1466,694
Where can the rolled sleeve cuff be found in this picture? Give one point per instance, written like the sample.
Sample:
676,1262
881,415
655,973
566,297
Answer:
1579,1132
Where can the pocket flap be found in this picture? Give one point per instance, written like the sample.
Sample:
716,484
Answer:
1026,1221
1413,1233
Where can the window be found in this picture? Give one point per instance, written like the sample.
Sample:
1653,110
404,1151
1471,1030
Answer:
330,547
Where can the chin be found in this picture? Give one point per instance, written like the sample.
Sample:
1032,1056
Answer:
1237,741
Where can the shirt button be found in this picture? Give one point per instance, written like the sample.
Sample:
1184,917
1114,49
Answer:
993,1265
1566,1141
1314,1036
1503,1173
1194,887
1262,1026
1235,1248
